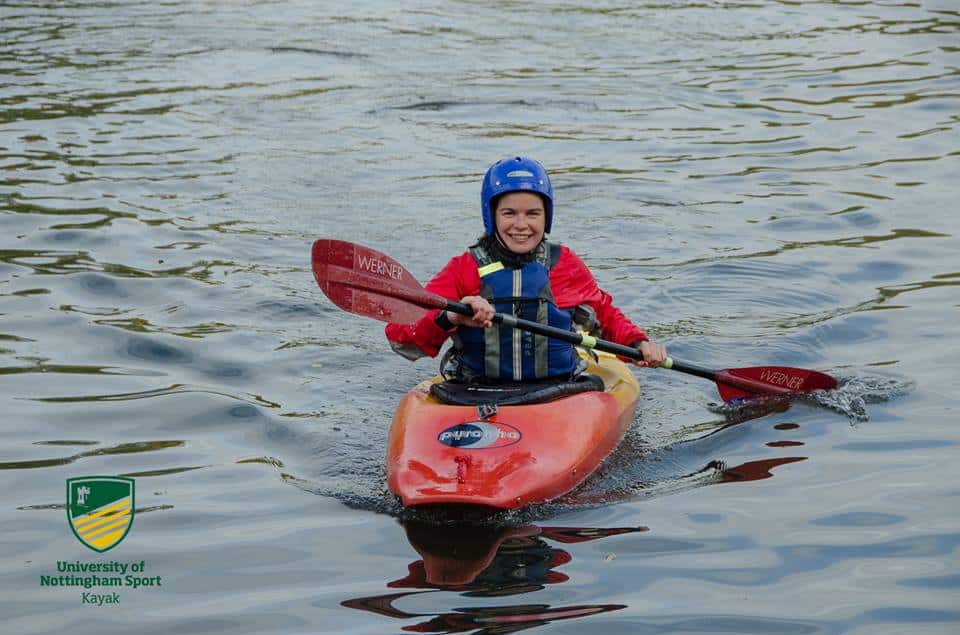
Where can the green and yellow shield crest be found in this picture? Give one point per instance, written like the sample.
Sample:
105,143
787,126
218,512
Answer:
100,509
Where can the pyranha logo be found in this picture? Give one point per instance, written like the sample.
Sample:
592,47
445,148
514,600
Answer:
475,435
100,509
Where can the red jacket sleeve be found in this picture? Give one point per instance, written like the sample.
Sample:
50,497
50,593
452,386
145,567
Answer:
572,283
457,279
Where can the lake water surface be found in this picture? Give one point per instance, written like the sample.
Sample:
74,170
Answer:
755,181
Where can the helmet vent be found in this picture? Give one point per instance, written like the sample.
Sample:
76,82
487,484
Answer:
519,173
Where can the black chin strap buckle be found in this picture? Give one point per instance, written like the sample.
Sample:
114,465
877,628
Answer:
486,410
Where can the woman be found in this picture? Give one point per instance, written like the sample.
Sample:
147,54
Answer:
513,269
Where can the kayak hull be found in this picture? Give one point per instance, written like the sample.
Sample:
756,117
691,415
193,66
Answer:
441,454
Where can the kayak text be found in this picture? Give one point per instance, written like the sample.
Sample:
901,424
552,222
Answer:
477,435
459,435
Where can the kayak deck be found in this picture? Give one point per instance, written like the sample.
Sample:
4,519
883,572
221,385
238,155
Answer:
441,454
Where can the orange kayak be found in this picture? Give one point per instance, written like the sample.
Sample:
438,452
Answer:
512,455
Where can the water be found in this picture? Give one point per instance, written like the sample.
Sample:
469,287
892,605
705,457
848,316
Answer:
756,182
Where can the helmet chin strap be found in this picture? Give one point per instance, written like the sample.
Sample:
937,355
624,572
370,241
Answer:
496,234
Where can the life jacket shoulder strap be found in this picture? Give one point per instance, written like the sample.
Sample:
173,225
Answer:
480,256
485,264
552,255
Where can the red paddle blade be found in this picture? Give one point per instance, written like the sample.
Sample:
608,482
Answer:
740,383
366,282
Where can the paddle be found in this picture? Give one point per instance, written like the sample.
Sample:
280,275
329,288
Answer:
366,282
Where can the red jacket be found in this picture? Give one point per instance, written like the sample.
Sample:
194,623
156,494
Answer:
570,281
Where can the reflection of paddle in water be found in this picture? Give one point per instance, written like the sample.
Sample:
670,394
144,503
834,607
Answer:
506,619
689,458
487,562
756,470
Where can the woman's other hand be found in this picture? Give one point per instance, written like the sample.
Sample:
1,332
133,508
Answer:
654,354
482,313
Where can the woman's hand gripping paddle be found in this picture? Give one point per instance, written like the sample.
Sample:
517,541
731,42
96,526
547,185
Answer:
366,282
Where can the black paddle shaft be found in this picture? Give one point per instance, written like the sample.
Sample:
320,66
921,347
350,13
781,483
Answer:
576,339
387,292
693,369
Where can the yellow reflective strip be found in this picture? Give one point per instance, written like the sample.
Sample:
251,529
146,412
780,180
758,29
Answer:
493,267
103,520
93,535
79,521
107,539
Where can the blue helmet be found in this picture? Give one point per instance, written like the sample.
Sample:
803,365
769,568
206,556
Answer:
515,174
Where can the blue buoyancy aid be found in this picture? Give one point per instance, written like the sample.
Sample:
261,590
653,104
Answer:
507,354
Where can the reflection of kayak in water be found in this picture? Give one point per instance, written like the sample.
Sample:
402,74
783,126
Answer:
485,446
484,561
463,557
493,558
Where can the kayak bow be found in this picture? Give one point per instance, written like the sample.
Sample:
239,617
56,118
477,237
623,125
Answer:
441,454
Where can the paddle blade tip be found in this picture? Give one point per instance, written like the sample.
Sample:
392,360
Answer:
365,282
765,381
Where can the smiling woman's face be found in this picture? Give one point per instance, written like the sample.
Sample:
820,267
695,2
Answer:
520,219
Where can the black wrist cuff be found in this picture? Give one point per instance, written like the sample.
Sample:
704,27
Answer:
443,321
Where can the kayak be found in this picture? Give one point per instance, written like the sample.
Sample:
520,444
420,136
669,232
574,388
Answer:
503,456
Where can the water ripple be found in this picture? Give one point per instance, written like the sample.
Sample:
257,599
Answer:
122,448
175,389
